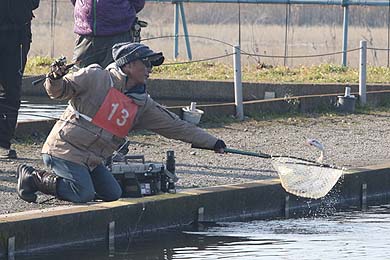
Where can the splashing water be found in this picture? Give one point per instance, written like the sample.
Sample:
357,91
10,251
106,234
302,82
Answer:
304,179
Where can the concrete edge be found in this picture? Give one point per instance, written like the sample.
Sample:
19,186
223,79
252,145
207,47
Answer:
299,104
222,91
64,226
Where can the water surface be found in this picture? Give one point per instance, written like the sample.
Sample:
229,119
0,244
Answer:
43,108
40,108
345,235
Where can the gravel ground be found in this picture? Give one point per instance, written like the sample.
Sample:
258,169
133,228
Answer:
349,140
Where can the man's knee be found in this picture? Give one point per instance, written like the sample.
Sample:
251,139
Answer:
114,195
76,195
84,196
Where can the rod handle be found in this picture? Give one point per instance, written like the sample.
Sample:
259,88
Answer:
236,151
67,67
247,153
36,82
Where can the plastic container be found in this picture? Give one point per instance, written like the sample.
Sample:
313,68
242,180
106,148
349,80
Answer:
346,104
191,114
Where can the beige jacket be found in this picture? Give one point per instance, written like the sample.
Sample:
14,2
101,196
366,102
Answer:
75,139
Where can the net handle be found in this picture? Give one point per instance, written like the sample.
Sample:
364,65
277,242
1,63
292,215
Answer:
269,156
236,151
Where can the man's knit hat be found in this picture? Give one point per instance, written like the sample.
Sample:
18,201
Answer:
126,52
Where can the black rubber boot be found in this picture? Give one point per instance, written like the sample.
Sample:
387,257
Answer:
26,187
31,180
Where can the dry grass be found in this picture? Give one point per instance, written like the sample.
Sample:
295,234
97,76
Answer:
263,40
323,73
255,38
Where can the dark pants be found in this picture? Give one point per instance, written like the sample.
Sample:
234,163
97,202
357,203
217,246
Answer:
14,46
89,50
79,184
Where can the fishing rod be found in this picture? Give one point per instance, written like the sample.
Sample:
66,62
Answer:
60,64
104,49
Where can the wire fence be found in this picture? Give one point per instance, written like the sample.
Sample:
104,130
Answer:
243,52
274,34
253,54
200,60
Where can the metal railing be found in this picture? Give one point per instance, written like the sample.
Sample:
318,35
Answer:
179,10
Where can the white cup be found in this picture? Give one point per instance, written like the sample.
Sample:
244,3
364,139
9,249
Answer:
347,92
193,106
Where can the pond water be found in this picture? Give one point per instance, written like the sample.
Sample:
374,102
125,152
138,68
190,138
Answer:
42,108
348,235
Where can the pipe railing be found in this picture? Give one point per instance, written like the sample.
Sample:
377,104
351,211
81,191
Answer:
179,8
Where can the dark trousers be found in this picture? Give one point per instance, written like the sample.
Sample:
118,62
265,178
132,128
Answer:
79,184
14,46
97,49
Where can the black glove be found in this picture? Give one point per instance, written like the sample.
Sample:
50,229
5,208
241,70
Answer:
219,146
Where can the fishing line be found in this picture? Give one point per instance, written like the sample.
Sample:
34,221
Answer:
105,49
132,234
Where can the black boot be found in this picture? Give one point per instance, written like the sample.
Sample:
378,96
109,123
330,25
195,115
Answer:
31,180
26,187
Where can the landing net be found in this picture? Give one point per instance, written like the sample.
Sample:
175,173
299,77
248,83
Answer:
306,179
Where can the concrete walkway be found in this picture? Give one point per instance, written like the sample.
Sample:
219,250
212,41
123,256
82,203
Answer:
257,194
97,222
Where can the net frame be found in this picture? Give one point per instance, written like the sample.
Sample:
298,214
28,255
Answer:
305,178
288,169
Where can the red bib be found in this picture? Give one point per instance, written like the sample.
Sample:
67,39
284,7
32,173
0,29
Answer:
116,114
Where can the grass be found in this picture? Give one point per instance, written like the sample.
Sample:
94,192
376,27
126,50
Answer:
292,117
324,73
38,65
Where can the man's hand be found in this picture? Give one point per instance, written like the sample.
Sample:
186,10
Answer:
58,69
219,146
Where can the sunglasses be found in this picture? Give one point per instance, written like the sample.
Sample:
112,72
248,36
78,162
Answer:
147,63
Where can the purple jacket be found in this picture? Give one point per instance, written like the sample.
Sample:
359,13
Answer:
105,17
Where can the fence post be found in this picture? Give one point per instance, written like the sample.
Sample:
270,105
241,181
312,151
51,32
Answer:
53,18
362,73
237,82
176,31
187,39
345,32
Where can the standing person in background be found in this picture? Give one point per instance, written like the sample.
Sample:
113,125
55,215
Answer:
15,40
101,24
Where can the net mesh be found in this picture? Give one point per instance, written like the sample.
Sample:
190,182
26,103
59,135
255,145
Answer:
305,179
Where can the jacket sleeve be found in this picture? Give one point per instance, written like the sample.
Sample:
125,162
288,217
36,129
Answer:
137,4
73,84
62,89
159,120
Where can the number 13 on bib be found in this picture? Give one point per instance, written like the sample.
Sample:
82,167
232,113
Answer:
116,114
